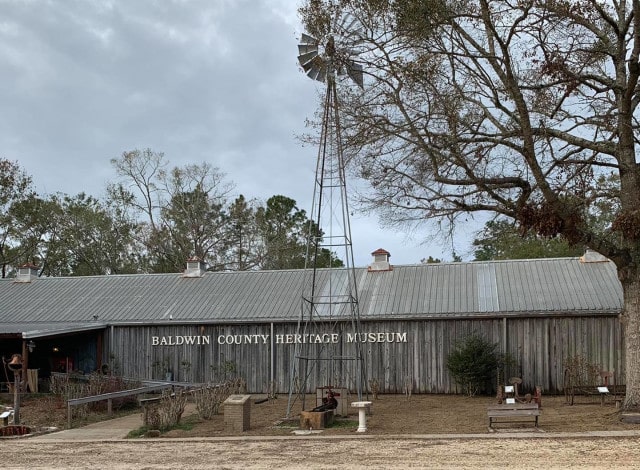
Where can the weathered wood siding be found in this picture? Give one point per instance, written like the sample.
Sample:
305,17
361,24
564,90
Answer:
539,345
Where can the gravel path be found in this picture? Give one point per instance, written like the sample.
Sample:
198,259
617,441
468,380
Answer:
304,452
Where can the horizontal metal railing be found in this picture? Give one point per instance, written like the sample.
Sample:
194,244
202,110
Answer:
110,396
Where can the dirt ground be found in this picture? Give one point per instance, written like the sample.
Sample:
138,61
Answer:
270,442
421,414
325,453
390,414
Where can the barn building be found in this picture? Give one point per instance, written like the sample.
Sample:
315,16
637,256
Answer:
200,326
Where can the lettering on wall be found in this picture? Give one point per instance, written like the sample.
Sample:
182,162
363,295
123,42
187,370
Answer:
179,340
326,338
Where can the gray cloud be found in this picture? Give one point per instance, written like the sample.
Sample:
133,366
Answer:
199,80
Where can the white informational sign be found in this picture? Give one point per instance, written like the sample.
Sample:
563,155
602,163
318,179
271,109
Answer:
511,401
603,389
508,389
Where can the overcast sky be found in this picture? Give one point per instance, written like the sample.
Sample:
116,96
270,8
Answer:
212,81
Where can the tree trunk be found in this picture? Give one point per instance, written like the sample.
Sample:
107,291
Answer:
631,323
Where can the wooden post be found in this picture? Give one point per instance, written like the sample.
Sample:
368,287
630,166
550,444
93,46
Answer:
25,363
99,349
16,397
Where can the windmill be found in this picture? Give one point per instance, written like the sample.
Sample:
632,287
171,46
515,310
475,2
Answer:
329,310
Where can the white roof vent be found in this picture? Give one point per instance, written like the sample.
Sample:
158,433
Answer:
195,268
380,261
27,273
591,256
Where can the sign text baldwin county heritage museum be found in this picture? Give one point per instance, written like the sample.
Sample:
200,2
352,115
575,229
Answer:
281,339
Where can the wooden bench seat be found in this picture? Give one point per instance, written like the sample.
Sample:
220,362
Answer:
515,410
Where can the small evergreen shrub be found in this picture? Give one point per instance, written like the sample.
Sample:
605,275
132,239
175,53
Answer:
474,363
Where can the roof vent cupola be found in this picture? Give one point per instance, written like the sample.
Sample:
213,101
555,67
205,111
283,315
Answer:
380,261
592,256
27,273
195,268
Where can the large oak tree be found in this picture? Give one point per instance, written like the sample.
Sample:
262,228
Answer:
517,108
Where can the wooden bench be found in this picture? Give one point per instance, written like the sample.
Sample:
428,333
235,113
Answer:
515,410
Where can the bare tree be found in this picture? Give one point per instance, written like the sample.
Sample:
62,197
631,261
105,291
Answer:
522,109
139,173
184,208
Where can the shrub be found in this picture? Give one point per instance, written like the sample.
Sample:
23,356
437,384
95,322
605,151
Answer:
209,398
474,363
99,384
168,412
580,372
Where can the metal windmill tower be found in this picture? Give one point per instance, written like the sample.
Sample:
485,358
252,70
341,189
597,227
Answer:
329,311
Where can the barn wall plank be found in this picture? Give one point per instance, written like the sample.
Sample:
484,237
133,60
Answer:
540,347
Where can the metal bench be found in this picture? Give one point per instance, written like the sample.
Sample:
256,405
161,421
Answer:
513,410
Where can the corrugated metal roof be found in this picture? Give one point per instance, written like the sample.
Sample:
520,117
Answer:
562,285
40,329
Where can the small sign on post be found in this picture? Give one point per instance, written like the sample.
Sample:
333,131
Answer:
604,391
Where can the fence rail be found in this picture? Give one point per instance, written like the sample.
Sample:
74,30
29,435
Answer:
110,396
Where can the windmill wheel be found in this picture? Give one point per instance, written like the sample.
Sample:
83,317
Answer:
334,53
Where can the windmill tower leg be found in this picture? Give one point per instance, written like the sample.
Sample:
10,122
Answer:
329,354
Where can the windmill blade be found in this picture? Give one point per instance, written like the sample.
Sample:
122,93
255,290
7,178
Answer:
315,62
355,36
314,72
347,23
306,58
351,52
355,72
306,48
318,71
306,39
350,28
356,39
308,66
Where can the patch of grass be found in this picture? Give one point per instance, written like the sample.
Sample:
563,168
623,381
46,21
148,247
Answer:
141,431
343,424
288,423
337,424
185,424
